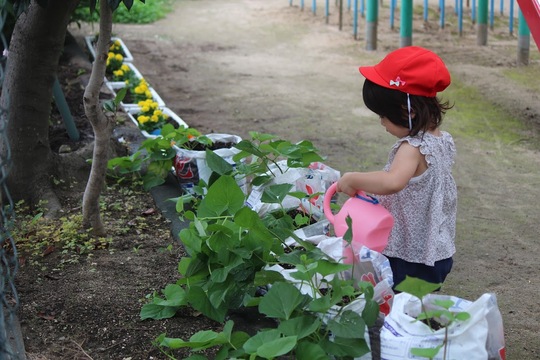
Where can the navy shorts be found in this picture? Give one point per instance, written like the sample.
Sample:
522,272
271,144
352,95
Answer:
434,274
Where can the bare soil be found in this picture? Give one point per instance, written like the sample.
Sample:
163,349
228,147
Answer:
233,66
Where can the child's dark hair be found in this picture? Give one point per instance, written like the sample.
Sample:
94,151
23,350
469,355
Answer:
392,104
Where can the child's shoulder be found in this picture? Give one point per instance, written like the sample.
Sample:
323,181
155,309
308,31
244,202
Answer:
427,140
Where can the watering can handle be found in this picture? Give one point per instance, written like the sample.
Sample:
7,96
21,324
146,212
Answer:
328,197
326,205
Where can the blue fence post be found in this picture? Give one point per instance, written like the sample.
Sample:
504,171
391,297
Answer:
355,19
482,26
426,10
442,10
392,13
524,40
460,17
491,14
327,11
371,24
314,7
511,18
406,22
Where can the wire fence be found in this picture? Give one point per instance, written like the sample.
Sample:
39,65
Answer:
495,11
10,342
462,18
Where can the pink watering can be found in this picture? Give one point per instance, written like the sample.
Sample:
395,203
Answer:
371,222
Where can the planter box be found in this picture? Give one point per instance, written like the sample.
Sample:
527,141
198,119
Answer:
89,40
119,84
114,87
132,112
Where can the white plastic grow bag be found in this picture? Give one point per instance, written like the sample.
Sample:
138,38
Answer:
312,180
480,337
190,166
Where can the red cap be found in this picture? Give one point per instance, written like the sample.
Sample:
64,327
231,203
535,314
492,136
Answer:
410,69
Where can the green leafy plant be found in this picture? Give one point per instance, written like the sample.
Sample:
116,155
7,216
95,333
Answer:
283,220
140,13
153,160
441,317
227,244
265,152
230,250
126,168
302,329
112,105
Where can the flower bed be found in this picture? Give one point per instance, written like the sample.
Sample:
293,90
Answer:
117,47
151,127
131,101
126,74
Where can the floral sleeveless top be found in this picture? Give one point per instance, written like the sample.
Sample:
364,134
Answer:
425,210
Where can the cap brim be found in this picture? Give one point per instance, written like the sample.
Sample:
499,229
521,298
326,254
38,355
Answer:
372,75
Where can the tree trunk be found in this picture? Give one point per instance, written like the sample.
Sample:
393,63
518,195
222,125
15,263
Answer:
32,63
102,124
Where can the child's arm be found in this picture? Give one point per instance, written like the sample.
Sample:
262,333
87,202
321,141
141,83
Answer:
407,161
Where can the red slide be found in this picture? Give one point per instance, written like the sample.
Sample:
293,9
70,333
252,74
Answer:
531,12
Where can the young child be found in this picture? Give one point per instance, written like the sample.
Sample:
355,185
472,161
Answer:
416,185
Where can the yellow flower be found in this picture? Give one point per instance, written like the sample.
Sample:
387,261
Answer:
145,108
125,68
114,62
143,119
118,73
155,118
158,112
148,94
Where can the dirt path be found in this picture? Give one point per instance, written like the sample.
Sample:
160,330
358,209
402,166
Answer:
233,66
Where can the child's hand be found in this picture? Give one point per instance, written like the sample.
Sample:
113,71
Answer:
345,184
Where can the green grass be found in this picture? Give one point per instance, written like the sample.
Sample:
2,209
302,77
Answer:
523,75
140,13
475,117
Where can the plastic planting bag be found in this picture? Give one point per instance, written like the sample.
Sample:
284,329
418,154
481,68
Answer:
190,165
370,266
312,180
480,337
373,267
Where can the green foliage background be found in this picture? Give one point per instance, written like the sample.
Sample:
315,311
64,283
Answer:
140,13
